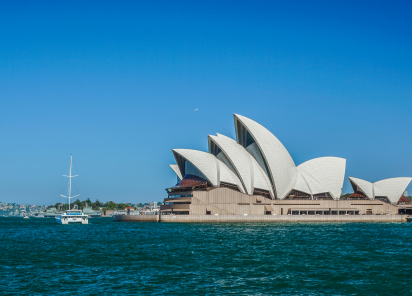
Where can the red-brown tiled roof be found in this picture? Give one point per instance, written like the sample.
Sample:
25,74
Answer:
405,199
356,195
191,181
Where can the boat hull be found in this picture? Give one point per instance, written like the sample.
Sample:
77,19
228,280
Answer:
70,219
94,216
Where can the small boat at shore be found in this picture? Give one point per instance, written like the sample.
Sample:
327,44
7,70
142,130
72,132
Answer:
91,213
51,212
71,216
409,219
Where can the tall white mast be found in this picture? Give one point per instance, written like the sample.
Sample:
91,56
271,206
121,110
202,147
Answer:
70,179
69,190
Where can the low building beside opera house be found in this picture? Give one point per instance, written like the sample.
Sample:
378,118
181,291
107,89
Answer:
255,175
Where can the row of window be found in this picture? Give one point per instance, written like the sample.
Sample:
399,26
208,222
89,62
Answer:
74,217
324,212
180,195
177,203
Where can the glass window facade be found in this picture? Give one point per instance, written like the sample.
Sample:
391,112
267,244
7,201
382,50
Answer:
190,169
180,195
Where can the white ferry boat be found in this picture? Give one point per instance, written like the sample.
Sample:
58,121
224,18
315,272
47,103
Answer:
72,216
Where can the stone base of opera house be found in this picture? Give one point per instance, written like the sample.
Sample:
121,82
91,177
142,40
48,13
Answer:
136,218
227,205
258,218
291,218
225,201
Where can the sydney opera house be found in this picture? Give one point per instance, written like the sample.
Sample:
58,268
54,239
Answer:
255,175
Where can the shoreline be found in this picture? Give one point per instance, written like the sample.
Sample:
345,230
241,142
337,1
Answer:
258,218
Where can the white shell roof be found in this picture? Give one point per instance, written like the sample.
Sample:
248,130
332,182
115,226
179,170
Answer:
377,191
226,175
281,165
393,188
251,174
239,158
222,156
314,185
176,169
223,136
260,179
365,186
301,184
254,151
204,162
213,169
329,171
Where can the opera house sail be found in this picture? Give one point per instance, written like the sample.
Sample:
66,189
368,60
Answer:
255,174
388,190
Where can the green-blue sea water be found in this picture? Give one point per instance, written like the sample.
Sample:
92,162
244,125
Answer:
40,257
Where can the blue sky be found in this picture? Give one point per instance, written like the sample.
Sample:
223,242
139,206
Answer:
115,84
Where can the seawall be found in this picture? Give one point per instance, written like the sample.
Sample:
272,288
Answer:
136,218
258,218
282,218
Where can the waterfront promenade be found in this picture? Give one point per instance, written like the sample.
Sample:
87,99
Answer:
259,218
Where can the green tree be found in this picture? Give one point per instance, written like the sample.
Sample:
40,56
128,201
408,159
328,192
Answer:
345,196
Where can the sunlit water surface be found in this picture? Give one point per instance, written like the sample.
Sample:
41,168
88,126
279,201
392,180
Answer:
38,256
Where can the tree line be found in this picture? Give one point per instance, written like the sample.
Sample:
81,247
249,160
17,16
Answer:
97,205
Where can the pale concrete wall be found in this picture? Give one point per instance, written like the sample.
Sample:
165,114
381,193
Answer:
224,201
284,218
136,218
259,218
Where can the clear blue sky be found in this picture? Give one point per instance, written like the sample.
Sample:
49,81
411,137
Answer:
115,83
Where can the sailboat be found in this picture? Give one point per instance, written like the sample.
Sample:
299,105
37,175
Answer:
71,216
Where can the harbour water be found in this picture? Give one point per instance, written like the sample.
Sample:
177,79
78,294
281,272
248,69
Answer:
41,257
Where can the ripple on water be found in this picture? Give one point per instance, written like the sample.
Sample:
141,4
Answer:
39,256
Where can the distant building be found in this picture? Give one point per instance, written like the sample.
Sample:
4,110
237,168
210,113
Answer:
150,211
108,213
153,205
125,212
